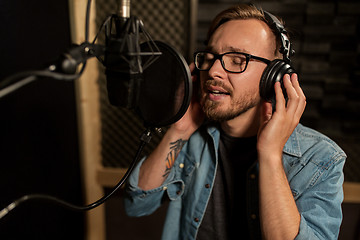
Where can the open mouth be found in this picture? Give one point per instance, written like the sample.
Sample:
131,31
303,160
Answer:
217,92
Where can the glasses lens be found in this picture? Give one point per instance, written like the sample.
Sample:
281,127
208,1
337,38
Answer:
234,62
204,60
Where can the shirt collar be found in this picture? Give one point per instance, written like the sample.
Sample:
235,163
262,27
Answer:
292,146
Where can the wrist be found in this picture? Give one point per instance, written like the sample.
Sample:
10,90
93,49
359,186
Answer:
179,132
272,159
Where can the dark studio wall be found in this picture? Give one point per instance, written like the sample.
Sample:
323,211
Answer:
38,124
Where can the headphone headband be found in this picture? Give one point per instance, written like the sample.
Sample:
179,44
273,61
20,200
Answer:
276,70
285,48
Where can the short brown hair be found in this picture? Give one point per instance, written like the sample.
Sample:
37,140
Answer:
242,11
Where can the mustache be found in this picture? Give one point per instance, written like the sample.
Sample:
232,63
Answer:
216,83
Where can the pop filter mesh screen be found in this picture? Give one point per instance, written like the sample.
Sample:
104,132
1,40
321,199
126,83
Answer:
165,90
167,21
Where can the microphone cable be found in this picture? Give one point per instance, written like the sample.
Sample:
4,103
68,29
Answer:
145,138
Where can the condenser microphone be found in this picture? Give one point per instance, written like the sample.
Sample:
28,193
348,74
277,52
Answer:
152,78
122,59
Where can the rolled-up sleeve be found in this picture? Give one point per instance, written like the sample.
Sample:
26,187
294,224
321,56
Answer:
139,202
320,205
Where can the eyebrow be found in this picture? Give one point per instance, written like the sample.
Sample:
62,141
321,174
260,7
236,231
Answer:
227,49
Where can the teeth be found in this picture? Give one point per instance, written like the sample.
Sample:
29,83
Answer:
216,92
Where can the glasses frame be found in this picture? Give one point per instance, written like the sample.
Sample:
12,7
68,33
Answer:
220,57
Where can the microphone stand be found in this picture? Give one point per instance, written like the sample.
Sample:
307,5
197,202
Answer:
12,88
66,69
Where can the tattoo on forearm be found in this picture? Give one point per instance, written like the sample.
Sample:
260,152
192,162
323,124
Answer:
175,148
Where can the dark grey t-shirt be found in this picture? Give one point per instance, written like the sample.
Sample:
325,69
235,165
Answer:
225,215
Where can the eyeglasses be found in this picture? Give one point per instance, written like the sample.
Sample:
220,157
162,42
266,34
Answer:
234,62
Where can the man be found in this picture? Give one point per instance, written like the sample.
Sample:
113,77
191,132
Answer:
231,166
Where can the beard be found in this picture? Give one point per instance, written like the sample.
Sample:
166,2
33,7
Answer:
215,111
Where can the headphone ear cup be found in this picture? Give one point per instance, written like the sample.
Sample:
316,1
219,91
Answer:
274,72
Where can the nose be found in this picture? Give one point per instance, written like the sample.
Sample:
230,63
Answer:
216,70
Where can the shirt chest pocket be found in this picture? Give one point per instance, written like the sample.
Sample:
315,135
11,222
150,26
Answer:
184,168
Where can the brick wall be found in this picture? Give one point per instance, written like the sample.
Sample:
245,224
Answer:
326,37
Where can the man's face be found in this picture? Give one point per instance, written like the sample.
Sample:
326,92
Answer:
226,95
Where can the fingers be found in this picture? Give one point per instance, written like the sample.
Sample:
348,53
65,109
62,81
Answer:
279,96
293,97
296,98
302,99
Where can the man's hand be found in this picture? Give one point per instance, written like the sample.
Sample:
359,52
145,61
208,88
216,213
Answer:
194,116
276,128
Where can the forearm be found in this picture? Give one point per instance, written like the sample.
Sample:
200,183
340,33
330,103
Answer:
157,166
280,218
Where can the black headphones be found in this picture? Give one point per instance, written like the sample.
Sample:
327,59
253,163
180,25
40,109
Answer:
277,68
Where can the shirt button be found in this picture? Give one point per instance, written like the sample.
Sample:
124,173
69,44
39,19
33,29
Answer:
253,216
181,165
252,176
196,219
207,185
164,188
178,192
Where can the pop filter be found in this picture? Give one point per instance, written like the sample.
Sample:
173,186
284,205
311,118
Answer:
166,90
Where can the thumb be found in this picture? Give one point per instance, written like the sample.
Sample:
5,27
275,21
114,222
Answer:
265,113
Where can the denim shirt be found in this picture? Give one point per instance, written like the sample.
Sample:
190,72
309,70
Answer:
312,162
